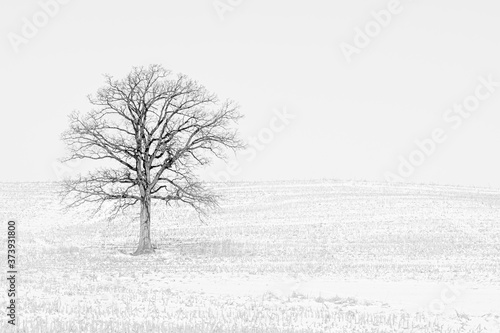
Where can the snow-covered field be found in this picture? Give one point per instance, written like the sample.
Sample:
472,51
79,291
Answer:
316,256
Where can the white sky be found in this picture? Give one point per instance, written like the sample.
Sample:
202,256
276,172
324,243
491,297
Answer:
352,120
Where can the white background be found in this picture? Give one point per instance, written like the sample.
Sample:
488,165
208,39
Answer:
353,120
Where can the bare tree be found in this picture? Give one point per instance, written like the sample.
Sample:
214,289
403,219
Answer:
156,129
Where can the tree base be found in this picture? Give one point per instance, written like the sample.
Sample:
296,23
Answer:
139,252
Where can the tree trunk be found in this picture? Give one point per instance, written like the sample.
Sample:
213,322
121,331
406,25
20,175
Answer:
145,246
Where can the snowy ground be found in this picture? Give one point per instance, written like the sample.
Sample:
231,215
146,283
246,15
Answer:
319,256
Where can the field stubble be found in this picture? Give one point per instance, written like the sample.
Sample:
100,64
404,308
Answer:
275,258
